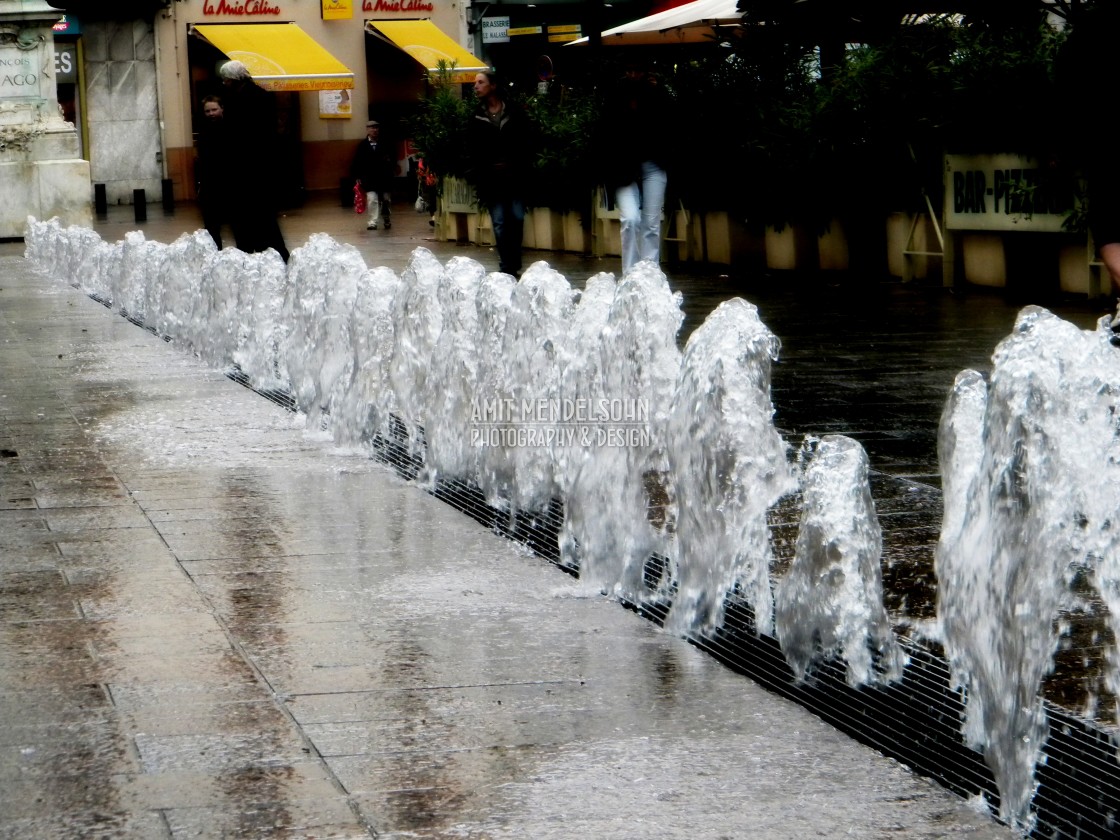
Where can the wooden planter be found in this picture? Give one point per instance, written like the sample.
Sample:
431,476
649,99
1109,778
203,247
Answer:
792,247
832,248
983,259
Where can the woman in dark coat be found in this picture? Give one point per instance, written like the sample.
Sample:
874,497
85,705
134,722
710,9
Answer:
212,169
250,118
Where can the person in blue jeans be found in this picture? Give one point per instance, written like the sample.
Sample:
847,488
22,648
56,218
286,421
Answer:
639,128
499,149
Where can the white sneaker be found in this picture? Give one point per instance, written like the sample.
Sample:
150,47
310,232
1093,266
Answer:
371,226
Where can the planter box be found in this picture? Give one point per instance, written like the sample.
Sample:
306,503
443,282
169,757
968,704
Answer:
832,248
721,238
912,266
715,237
480,229
576,239
789,248
983,259
1080,271
605,238
456,211
1075,270
547,229
529,231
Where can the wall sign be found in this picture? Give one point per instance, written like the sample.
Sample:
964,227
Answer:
334,105
398,6
1004,192
19,73
564,33
65,63
337,9
240,8
495,30
67,25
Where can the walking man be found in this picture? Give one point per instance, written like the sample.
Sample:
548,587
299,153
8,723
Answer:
373,168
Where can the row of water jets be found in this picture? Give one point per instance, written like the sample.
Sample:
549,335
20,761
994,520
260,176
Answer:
535,391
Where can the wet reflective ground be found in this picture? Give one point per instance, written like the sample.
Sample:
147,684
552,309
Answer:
214,625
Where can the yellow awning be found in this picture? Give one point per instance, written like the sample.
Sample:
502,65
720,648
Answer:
428,44
280,56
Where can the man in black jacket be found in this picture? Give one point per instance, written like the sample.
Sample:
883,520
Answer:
500,146
373,166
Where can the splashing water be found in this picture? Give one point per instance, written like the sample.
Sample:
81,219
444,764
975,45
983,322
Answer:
417,324
582,384
320,299
366,405
453,375
181,270
131,289
728,467
638,365
536,351
495,464
1032,504
831,600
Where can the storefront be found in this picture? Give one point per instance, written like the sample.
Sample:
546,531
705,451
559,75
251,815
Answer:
133,75
332,65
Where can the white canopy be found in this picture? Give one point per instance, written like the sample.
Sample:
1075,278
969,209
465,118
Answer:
692,23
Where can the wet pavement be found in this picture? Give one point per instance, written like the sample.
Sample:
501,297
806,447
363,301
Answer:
215,624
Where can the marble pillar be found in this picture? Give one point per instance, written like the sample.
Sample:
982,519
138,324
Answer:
41,171
122,110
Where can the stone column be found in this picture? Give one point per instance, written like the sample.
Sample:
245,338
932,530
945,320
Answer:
41,172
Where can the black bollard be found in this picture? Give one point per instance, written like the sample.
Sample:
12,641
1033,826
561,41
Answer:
168,197
140,205
100,202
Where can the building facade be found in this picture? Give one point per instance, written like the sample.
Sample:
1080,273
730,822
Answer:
133,75
321,117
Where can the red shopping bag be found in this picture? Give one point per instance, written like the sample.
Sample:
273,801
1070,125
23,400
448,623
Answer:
359,198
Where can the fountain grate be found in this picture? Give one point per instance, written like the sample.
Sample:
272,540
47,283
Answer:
916,720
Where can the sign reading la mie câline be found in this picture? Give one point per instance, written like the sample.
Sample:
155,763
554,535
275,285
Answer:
1005,192
240,8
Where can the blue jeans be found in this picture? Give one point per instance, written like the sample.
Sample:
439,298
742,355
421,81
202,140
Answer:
639,214
508,217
